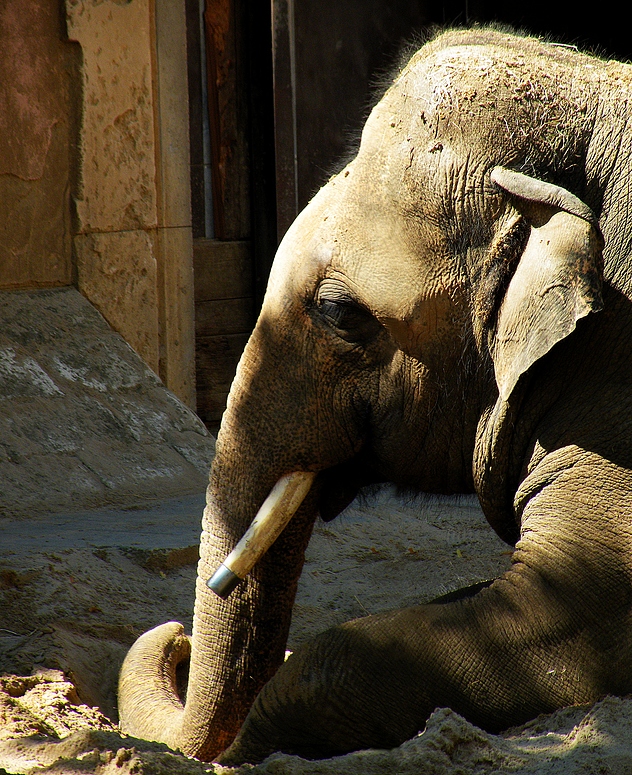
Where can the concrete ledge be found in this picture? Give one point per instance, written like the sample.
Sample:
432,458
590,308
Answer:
84,423
172,525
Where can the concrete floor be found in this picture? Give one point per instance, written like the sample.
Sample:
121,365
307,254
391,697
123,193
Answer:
172,523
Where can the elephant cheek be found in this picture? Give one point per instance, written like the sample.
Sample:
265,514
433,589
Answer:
431,327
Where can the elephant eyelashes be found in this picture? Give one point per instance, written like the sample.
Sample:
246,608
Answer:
338,314
350,321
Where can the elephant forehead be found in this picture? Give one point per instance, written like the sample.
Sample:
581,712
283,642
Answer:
385,276
389,276
356,228
303,255
371,255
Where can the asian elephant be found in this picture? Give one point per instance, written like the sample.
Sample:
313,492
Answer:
452,313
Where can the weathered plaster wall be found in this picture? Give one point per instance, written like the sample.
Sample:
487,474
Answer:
133,241
37,131
116,197
117,191
94,193
94,166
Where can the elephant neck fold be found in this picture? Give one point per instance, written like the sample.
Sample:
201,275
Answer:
508,431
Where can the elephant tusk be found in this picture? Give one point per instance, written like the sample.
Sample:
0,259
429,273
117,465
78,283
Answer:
276,511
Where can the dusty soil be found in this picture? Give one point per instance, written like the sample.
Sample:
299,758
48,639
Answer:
70,613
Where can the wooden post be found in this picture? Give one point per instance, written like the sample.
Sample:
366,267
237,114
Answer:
284,70
228,116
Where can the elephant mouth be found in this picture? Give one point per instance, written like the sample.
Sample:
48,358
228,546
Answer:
340,484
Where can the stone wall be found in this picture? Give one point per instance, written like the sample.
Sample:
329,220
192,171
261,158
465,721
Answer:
94,166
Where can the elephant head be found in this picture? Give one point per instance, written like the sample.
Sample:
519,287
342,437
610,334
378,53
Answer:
405,306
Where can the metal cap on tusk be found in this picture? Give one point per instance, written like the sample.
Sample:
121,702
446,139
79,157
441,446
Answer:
276,511
223,581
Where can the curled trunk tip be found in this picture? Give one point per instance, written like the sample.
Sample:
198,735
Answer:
148,702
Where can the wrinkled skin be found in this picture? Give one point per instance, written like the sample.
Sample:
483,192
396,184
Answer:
431,323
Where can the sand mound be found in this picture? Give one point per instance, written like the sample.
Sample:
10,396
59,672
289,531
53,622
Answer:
72,607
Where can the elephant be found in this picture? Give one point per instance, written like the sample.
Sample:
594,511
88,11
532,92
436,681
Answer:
451,313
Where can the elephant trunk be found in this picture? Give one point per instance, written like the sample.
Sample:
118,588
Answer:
237,644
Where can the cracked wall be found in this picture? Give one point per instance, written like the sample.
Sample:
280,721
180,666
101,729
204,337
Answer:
38,128
94,163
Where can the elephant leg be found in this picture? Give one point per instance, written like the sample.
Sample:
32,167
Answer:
373,682
321,702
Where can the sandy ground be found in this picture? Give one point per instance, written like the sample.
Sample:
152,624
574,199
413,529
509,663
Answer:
73,599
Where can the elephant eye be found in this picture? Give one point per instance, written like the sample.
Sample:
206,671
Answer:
336,313
350,320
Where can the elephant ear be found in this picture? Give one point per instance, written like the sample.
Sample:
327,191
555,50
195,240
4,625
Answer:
557,280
